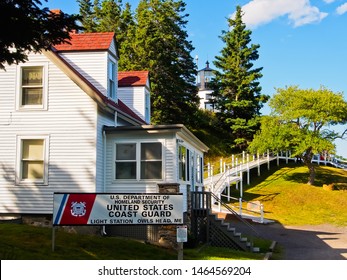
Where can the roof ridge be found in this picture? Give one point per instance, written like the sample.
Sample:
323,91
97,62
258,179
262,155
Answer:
87,41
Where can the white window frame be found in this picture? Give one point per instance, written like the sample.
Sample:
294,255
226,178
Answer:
147,107
43,106
19,171
112,80
199,169
138,160
184,175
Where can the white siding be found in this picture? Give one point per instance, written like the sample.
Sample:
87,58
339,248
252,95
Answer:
70,123
108,120
142,186
134,98
171,160
92,65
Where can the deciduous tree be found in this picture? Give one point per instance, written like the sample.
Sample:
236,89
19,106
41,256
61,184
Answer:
301,121
27,26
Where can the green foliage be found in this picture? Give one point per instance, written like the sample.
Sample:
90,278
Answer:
88,15
26,26
206,128
162,47
154,39
109,16
290,201
300,121
236,86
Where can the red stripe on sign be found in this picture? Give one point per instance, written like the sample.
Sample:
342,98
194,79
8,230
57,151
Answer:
77,209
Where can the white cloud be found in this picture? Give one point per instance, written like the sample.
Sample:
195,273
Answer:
299,12
342,9
329,1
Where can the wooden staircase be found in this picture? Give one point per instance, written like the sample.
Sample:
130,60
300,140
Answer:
208,228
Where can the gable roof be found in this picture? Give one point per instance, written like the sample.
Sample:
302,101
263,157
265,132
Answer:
91,90
132,78
98,41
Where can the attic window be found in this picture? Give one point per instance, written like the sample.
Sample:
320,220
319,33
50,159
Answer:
112,80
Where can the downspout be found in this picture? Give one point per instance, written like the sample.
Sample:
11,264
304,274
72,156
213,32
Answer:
115,118
104,172
104,161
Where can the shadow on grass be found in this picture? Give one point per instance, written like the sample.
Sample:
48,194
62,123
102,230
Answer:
323,176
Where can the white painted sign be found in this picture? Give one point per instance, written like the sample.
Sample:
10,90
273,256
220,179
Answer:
117,209
182,233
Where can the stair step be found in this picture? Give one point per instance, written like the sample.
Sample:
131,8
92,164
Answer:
255,249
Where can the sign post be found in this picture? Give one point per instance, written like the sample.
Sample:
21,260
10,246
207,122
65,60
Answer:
182,236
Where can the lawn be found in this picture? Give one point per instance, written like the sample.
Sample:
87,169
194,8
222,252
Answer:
25,242
290,201
283,191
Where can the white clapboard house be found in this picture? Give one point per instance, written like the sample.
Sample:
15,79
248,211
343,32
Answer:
70,122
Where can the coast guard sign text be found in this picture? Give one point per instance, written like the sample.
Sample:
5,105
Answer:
116,209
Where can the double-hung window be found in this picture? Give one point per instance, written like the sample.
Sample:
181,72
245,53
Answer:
32,86
138,161
32,164
151,161
125,166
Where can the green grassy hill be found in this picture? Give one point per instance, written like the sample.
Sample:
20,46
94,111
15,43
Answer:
289,200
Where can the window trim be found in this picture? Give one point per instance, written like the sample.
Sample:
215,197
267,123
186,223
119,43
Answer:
157,160
19,171
199,169
115,161
112,80
183,164
19,105
138,160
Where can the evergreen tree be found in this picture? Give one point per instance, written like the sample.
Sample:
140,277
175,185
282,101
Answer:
236,86
127,31
162,47
88,15
109,16
154,39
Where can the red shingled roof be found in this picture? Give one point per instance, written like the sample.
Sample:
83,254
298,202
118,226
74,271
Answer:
132,78
87,42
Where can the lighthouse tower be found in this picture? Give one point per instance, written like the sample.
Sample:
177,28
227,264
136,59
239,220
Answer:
204,78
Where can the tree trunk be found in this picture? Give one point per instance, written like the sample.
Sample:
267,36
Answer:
312,175
308,162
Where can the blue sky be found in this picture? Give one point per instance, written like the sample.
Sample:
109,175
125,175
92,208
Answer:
301,42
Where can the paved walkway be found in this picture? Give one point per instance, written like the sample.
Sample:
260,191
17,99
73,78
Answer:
318,242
